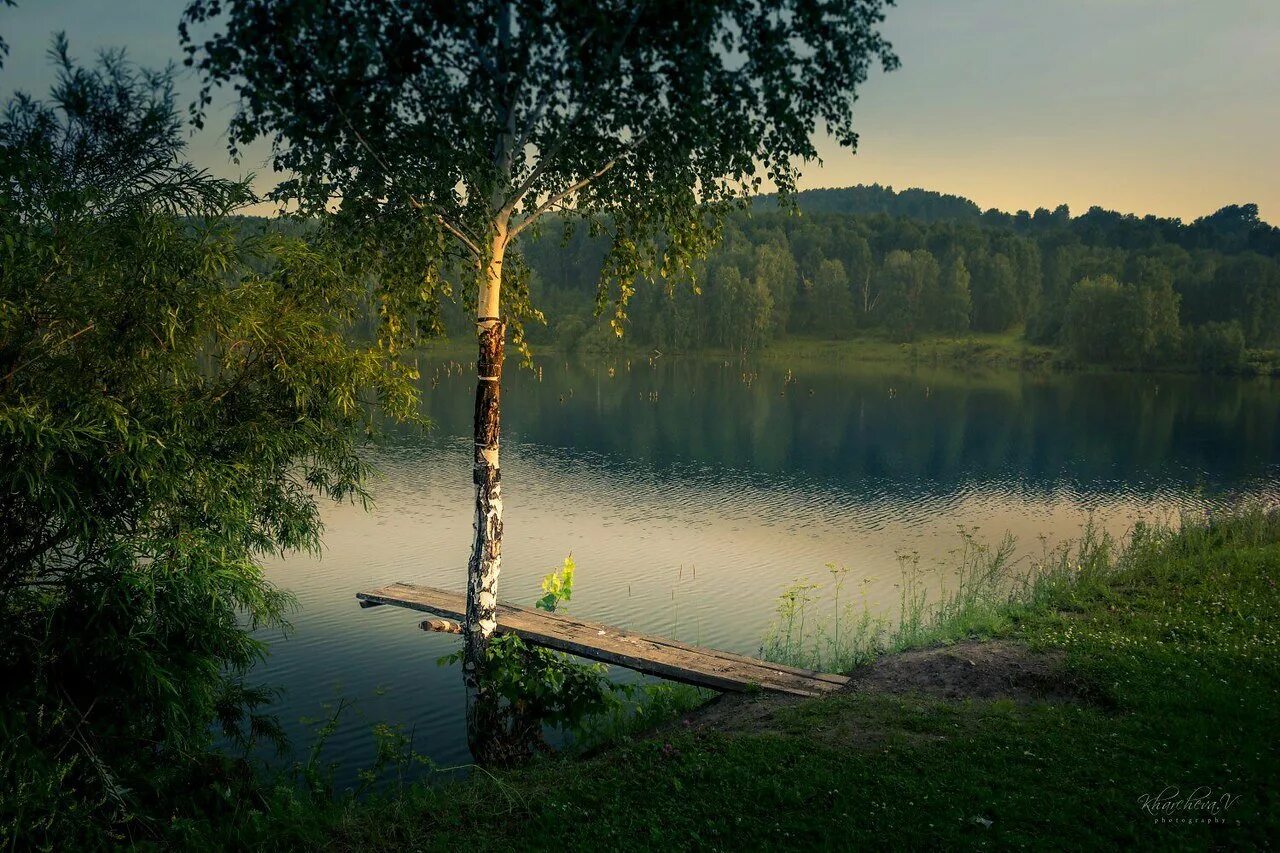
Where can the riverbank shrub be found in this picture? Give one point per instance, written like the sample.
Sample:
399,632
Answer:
1216,347
175,397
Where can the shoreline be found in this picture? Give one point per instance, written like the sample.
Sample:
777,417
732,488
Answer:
971,352
1121,671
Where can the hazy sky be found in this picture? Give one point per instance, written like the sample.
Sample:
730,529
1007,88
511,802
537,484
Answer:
1147,106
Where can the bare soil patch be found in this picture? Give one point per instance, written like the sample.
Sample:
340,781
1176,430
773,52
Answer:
982,671
973,670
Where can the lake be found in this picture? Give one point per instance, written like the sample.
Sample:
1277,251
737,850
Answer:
693,491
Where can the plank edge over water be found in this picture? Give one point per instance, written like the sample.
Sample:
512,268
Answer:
653,655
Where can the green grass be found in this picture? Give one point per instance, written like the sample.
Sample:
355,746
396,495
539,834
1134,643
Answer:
1177,631
975,349
818,625
969,351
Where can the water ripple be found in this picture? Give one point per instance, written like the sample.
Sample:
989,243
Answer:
689,515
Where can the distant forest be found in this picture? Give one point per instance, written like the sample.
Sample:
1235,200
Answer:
1106,288
1109,288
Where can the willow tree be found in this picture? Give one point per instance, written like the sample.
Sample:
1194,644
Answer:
176,393
447,128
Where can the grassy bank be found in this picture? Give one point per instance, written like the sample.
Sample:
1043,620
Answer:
1007,350
1169,642
977,349
973,350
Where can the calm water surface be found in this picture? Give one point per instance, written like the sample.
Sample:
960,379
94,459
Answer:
693,491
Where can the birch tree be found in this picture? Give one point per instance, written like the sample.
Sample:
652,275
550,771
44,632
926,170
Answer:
450,128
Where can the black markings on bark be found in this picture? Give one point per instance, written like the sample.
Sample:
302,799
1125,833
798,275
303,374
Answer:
491,336
486,547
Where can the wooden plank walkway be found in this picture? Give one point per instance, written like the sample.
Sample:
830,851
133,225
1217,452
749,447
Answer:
643,652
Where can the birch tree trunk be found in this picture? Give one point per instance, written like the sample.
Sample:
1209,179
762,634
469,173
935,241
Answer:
486,544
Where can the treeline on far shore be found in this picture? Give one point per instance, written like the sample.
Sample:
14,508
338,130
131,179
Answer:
1104,288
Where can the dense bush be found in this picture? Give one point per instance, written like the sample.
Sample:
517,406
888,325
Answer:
174,398
1217,347
1124,324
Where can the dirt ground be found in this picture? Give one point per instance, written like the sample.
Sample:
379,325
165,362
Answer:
973,670
997,670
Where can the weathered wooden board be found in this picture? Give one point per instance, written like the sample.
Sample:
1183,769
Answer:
643,652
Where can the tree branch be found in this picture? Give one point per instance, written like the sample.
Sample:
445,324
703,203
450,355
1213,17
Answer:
506,97
39,355
545,159
559,197
453,229
540,108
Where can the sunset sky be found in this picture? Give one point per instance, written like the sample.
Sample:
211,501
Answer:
1169,107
